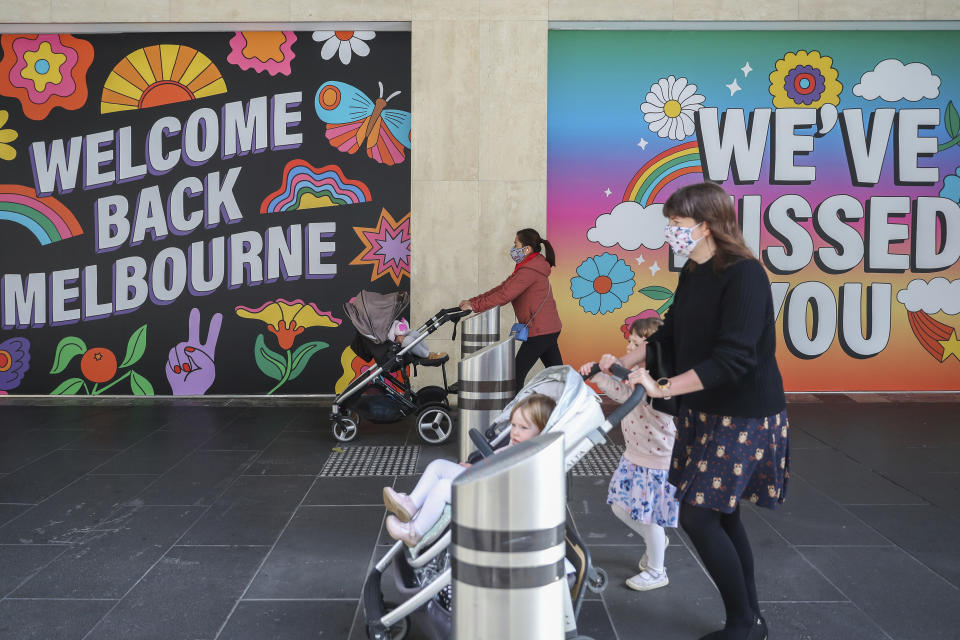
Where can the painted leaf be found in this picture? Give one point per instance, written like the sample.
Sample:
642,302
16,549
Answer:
666,305
302,355
68,387
657,293
135,347
69,348
139,385
951,120
270,362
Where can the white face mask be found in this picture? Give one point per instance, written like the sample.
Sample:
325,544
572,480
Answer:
681,239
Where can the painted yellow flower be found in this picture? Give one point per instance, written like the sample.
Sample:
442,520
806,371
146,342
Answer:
43,66
287,320
7,152
804,79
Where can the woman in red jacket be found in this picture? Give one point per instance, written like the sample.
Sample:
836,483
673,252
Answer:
528,289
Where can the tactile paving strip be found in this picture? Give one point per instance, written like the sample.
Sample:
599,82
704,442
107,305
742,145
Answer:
361,461
602,460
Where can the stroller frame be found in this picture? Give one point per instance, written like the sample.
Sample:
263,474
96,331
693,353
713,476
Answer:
391,625
434,422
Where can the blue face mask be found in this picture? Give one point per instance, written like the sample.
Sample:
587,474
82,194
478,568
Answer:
517,255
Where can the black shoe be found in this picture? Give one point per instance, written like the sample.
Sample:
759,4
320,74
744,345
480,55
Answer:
759,631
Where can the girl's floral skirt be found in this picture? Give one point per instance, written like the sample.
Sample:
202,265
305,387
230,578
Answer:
719,460
644,494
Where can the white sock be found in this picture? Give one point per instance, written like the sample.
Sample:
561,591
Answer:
653,536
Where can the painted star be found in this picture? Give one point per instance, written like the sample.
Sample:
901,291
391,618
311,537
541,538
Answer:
654,268
951,347
607,192
386,247
640,259
733,86
642,144
746,69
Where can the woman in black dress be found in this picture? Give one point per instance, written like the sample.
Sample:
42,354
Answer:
733,437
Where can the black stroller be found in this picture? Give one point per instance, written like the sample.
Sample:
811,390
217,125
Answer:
383,394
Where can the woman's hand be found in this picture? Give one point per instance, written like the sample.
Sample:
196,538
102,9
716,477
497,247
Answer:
465,305
607,361
642,377
587,368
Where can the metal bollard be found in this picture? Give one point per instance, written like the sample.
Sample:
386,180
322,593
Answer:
478,331
486,385
509,518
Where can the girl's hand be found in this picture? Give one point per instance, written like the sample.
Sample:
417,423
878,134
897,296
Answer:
585,369
642,377
607,361
465,305
465,465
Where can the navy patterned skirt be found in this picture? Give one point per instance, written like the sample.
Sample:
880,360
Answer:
719,460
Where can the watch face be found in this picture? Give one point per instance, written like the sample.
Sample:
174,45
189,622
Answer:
663,382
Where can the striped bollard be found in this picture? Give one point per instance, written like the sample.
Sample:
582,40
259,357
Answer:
485,386
479,330
509,515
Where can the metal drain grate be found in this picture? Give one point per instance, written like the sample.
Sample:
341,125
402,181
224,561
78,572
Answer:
602,460
358,462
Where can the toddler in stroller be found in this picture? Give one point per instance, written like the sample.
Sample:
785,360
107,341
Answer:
415,514
384,393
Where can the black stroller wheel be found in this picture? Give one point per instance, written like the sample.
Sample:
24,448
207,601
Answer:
435,424
344,428
398,631
597,583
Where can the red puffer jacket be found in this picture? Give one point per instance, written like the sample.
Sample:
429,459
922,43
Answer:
526,288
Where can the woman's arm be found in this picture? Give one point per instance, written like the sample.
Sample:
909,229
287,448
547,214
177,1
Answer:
686,382
505,292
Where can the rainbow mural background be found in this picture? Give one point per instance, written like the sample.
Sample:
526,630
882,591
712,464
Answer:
602,152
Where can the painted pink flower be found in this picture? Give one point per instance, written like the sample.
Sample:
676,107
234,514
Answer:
14,362
45,71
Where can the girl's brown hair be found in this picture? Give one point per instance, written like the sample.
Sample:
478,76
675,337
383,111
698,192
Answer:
708,202
645,327
531,238
538,408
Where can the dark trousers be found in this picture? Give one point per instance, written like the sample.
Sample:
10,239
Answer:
543,348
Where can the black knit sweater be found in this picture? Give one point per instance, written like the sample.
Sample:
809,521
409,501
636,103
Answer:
721,325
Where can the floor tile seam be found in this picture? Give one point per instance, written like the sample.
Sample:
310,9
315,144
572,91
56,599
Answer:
302,599
222,546
15,598
36,571
878,473
18,504
132,445
372,562
202,513
263,561
606,609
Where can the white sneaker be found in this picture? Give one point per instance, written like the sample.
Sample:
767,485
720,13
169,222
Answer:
643,559
648,579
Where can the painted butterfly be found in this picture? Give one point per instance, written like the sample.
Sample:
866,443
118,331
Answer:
353,118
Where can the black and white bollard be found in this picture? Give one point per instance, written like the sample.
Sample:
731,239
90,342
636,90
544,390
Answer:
479,330
509,517
485,386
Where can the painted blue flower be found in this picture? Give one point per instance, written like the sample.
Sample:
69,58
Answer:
603,283
951,187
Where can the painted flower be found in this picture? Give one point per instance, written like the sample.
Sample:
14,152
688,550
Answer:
627,323
14,362
287,320
804,79
669,107
344,43
951,186
270,51
7,152
45,71
603,283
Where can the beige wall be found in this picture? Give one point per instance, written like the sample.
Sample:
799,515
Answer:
479,102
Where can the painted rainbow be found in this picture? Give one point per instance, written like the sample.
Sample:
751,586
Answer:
307,187
46,218
661,170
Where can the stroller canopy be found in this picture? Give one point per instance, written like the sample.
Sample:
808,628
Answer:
372,313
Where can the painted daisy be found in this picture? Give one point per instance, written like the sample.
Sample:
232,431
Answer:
669,107
603,283
344,43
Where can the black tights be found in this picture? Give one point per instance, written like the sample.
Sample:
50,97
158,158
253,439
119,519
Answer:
723,547
543,348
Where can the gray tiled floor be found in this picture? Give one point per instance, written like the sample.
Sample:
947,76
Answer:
179,520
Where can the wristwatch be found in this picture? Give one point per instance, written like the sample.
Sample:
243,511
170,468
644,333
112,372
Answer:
664,385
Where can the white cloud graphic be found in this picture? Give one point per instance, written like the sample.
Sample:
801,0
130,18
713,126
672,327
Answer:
892,80
631,226
939,294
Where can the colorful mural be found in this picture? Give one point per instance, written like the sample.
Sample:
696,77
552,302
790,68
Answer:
840,149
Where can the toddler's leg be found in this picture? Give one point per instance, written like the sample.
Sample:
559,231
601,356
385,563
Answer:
653,536
435,471
433,505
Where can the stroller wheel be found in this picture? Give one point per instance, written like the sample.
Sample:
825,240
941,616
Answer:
435,424
597,583
344,428
396,632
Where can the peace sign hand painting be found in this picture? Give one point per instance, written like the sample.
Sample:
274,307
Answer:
190,366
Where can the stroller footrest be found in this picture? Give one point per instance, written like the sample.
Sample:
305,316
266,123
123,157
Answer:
434,362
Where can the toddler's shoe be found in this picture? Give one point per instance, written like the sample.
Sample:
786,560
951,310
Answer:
643,559
403,531
648,579
399,504
433,355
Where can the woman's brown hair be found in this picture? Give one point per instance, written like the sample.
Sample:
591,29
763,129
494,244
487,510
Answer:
708,202
538,408
531,238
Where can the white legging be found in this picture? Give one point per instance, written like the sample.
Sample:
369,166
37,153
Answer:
653,536
433,492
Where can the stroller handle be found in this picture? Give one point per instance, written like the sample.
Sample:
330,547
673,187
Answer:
630,403
481,443
616,370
